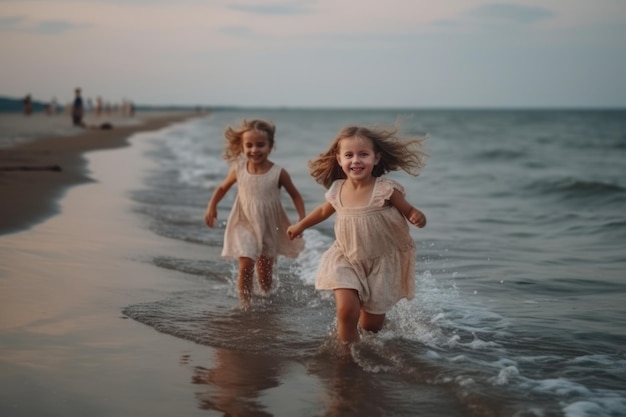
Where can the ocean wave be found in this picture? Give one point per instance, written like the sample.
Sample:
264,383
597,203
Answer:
572,188
501,155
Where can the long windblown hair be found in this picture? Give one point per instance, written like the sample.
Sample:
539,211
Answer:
234,137
395,153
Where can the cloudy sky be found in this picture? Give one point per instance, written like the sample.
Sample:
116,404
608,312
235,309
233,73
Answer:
312,53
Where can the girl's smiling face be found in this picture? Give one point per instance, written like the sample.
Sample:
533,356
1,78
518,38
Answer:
357,158
256,146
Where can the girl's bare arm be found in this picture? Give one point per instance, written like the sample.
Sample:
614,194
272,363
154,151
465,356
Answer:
318,215
285,181
211,211
413,215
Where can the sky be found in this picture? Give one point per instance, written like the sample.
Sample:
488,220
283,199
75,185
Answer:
318,53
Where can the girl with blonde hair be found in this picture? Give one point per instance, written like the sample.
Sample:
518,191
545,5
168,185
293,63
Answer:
370,266
256,228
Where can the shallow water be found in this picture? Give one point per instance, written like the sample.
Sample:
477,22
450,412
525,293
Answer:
520,275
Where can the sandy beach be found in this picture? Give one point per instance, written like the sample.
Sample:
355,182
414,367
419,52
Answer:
65,348
34,175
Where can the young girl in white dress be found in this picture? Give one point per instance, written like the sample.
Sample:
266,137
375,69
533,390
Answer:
256,228
370,266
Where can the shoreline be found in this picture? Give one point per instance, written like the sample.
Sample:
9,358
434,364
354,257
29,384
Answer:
63,285
65,340
34,175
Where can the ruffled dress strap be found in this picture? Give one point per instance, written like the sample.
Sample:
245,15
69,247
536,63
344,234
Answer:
383,190
241,167
332,194
274,174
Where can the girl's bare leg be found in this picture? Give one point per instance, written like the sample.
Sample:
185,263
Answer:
245,280
371,322
348,308
264,269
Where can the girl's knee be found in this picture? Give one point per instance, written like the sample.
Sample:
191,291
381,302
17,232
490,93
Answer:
348,310
265,265
246,266
347,313
244,281
264,268
371,322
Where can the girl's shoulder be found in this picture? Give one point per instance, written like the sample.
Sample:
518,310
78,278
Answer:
384,189
277,167
240,164
332,194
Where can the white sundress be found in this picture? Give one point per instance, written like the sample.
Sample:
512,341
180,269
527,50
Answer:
257,224
373,253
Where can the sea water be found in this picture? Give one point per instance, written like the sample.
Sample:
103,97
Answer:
520,277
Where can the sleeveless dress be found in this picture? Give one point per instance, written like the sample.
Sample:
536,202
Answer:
373,252
257,224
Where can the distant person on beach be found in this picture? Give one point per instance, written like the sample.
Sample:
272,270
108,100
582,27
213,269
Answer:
370,266
256,230
28,105
78,109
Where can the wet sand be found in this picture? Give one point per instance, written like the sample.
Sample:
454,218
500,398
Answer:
65,348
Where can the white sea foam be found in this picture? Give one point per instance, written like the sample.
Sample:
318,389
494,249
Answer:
606,405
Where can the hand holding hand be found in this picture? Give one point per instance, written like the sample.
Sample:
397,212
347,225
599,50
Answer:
293,232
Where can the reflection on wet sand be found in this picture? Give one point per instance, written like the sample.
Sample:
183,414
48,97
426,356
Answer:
349,390
236,383
369,382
